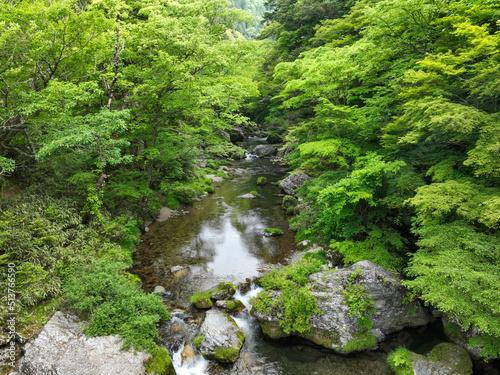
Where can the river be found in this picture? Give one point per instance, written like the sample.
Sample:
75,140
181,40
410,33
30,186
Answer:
220,238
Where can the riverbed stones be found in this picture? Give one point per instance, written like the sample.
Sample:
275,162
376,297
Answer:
444,359
219,337
247,196
179,271
264,150
293,182
159,290
187,353
61,348
335,327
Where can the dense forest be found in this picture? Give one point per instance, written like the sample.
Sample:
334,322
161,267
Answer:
256,8
392,107
108,107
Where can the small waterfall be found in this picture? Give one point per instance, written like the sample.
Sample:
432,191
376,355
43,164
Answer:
198,365
193,366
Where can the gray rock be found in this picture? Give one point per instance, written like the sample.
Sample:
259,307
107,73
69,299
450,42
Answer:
264,150
221,337
159,290
293,182
62,349
444,359
333,327
247,196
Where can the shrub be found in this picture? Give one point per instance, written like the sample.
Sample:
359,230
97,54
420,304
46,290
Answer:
184,194
209,189
115,305
296,303
400,361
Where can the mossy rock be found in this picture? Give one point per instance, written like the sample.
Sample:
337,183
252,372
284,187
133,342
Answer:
289,203
323,338
160,363
361,341
202,300
272,330
272,232
261,181
443,359
452,356
219,337
223,292
226,355
232,307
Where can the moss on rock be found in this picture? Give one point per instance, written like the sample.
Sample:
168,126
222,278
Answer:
160,363
202,300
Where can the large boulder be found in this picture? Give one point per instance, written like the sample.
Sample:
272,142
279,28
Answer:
61,348
219,337
293,182
443,359
264,150
335,326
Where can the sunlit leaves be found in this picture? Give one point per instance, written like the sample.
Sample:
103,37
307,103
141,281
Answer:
457,270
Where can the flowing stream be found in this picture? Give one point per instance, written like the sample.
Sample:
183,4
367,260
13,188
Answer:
220,238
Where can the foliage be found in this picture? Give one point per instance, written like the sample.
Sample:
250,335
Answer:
400,361
171,201
295,304
44,236
489,344
115,305
360,304
456,270
254,193
198,340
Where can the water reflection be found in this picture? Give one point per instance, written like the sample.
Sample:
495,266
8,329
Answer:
221,237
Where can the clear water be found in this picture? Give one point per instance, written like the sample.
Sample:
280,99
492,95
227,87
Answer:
220,238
